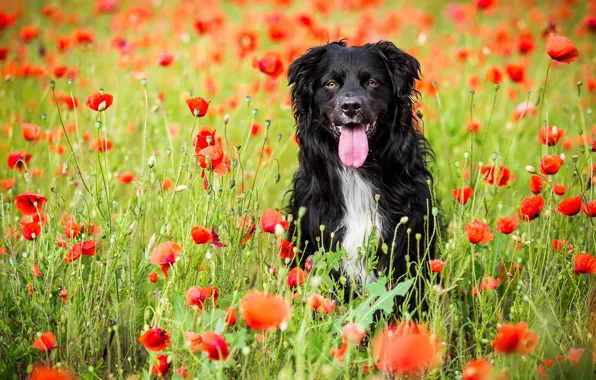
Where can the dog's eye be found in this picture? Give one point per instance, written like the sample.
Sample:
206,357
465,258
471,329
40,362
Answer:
331,84
372,83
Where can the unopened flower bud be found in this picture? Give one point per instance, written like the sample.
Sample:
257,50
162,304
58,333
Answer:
151,161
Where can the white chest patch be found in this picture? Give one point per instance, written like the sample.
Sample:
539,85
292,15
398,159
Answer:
362,224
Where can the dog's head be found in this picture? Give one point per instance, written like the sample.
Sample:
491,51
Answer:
350,96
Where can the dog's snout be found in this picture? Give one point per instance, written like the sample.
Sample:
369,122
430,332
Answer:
350,106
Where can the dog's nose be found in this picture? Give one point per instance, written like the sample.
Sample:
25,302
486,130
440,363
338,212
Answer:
350,106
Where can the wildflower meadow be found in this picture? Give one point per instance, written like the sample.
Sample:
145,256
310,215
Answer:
147,150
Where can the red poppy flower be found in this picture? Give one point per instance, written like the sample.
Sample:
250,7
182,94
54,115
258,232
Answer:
47,372
478,369
497,175
561,48
478,232
494,75
86,248
30,203
405,349
584,263
18,159
210,157
296,277
7,183
46,342
436,265
153,277
246,42
507,225
30,230
162,367
525,109
272,218
241,223
198,106
230,318
589,208
126,177
201,235
489,283
530,208
537,184
462,194
30,131
196,296
83,37
214,345
485,4
59,71
550,165
570,206
321,304
165,59
155,339
515,339
560,189
559,245
286,249
35,271
550,135
165,254
99,101
515,72
28,33
102,145
204,138
271,65
71,227
264,311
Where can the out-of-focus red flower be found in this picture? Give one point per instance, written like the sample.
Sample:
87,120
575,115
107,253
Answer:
525,42
462,194
537,184
165,255
497,175
584,263
478,369
83,37
494,75
513,339
214,345
405,349
165,59
516,72
589,208
530,208
264,311
7,183
29,33
197,296
102,145
99,101
550,165
30,131
86,248
198,106
30,203
561,48
525,109
201,235
436,265
478,232
18,159
230,318
560,189
35,271
507,225
570,206
70,226
213,158
321,304
550,135
559,245
286,249
162,367
484,5
246,41
155,339
270,64
296,277
46,342
153,277
30,230
47,372
126,177
272,218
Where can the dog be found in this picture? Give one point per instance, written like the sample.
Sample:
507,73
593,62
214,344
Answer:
363,164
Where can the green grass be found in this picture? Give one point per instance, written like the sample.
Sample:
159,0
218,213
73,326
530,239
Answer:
110,298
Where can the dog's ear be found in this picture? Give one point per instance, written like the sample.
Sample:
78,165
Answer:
402,68
302,75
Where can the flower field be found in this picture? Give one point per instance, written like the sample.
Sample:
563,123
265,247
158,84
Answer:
146,153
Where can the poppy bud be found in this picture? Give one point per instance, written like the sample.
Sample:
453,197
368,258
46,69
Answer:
226,119
52,84
144,82
403,220
44,116
530,169
151,161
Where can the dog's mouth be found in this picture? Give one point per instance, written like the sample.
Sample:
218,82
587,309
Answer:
353,142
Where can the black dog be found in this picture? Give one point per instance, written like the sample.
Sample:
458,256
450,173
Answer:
363,164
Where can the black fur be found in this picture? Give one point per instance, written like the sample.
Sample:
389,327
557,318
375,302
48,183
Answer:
396,164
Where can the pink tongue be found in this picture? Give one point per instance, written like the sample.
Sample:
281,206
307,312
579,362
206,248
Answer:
353,146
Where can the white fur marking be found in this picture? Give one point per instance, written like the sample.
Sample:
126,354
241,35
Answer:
359,220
